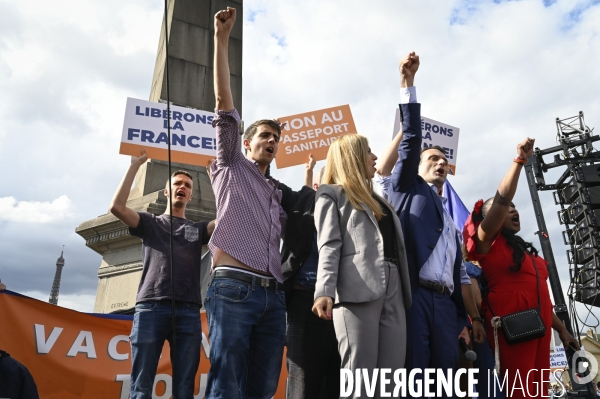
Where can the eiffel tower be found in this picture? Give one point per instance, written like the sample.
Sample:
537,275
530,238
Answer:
60,262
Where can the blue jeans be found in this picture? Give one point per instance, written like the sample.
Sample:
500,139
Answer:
151,327
246,328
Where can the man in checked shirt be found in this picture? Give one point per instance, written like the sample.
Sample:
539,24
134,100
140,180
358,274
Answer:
245,303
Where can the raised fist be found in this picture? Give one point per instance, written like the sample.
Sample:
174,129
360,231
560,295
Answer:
525,148
224,20
408,68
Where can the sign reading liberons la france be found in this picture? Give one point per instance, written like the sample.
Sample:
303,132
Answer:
312,133
193,139
436,133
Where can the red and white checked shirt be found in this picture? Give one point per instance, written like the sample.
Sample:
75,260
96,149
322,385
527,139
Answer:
250,219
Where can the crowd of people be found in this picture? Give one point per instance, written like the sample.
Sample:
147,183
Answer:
362,281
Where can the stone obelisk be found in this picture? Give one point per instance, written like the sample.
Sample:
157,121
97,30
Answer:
190,62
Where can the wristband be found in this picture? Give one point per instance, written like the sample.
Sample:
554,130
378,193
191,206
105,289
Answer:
479,319
520,160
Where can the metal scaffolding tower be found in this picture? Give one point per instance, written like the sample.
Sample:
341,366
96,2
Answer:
577,191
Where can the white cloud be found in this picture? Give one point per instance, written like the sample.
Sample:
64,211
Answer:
79,302
25,62
130,38
58,210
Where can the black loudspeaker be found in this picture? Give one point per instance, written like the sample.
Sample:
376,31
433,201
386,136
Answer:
587,282
585,252
574,191
586,226
589,174
588,272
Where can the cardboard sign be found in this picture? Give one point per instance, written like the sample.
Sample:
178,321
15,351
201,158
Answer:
74,355
436,133
312,133
193,139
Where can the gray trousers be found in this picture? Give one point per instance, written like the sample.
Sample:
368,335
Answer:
373,334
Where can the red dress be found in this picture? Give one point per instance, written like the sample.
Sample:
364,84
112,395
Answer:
510,292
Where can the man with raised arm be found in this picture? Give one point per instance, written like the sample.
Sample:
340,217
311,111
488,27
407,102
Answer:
152,322
245,302
439,282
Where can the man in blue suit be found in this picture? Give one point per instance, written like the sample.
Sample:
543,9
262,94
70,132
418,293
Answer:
440,286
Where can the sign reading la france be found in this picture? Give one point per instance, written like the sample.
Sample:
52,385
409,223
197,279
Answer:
436,133
193,139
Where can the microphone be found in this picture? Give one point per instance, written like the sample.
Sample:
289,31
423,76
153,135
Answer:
469,354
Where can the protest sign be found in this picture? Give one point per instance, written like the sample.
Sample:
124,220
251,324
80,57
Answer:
312,133
436,133
193,139
78,355
558,363
558,358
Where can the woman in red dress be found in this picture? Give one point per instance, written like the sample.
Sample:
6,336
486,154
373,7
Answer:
507,262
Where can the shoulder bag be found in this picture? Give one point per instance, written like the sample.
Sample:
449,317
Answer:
524,325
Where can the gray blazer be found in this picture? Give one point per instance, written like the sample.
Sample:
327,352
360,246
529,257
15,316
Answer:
351,265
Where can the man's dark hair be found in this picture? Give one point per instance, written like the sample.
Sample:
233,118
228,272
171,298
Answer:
181,172
251,130
434,147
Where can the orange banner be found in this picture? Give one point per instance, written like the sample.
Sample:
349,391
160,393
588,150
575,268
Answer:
79,355
312,133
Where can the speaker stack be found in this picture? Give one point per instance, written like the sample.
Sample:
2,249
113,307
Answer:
579,199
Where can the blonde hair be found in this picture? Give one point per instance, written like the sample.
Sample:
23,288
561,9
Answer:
346,166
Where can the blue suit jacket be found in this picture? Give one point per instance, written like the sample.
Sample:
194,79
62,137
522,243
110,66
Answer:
419,208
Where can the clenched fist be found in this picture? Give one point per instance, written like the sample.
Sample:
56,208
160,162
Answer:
224,21
525,148
408,68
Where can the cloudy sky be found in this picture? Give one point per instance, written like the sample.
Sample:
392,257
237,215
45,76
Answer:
499,70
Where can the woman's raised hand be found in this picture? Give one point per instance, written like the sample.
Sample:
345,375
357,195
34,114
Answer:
525,148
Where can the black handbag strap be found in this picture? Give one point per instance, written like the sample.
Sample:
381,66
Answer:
537,277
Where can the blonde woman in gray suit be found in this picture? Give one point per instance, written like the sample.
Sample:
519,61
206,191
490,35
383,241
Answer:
362,278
